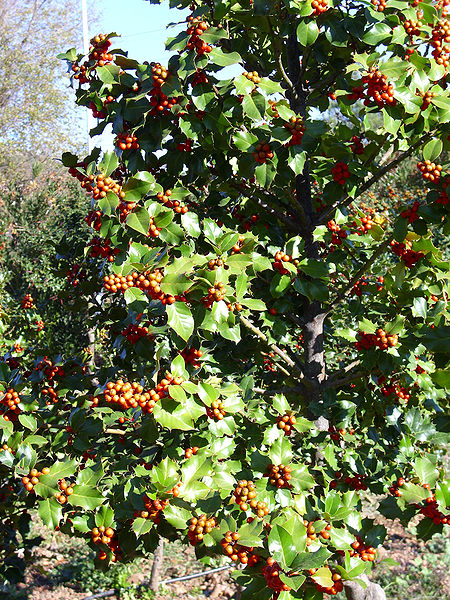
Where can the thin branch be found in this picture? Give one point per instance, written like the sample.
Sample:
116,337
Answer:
115,431
378,175
262,336
341,295
335,383
279,59
284,390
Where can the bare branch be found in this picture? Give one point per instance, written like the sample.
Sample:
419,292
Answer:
359,273
281,353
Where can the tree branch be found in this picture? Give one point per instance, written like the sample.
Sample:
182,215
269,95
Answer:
378,175
281,353
341,295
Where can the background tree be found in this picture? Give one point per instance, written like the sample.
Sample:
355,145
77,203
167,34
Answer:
36,118
275,348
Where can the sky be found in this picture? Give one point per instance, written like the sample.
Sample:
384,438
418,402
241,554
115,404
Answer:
142,30
142,26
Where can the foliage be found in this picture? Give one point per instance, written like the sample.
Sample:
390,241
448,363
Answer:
258,325
35,117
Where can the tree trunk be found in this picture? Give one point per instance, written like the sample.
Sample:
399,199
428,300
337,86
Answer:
373,591
156,566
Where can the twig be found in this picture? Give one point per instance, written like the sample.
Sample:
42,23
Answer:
378,175
273,347
279,59
341,295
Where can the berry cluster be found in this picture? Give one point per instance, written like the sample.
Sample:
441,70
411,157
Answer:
340,172
97,185
378,90
65,490
380,340
337,434
402,393
431,510
311,535
164,197
27,301
124,395
134,332
252,76
319,6
147,282
411,212
440,38
192,355
243,554
379,5
160,102
100,114
366,225
238,246
355,482
338,234
10,401
271,572
338,584
39,325
153,509
185,146
280,258
365,553
198,528
101,248
245,496
98,57
190,452
107,537
357,146
279,476
427,97
196,28
215,263
199,78
126,141
6,448
405,253
262,152
286,423
430,170
49,369
50,395
413,27
75,274
394,487
216,293
33,478
94,219
216,411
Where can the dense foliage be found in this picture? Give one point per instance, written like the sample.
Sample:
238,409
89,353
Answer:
275,342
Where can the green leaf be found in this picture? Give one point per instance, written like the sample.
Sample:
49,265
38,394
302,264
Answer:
250,534
265,173
136,299
180,319
139,220
432,149
254,106
280,452
165,475
177,516
175,284
141,526
307,32
28,421
109,163
282,546
426,470
87,497
218,57
310,560
297,159
191,224
377,33
50,511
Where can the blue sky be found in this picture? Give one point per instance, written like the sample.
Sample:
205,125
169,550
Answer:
142,26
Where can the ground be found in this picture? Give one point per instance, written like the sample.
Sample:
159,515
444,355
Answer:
62,569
